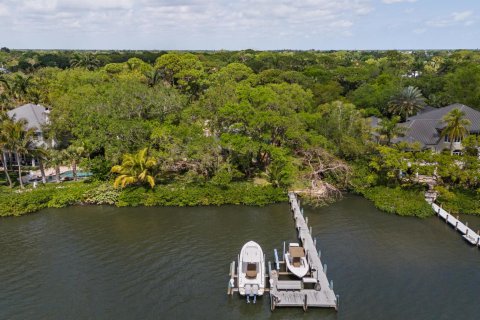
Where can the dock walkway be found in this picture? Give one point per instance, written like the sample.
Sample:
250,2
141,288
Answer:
322,295
468,234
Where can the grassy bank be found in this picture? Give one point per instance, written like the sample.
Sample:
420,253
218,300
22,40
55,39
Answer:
411,202
404,202
458,201
18,202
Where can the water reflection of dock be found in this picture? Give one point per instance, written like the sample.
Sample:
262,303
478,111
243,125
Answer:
468,234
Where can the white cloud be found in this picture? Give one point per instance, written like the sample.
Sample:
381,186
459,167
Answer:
154,15
419,30
456,18
397,1
3,10
462,16
180,21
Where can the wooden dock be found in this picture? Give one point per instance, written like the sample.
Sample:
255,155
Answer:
468,234
284,288
312,291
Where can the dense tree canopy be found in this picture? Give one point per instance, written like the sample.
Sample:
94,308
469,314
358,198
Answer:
217,117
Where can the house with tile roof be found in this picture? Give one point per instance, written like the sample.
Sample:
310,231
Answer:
426,128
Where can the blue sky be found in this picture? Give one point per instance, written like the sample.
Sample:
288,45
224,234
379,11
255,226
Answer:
240,24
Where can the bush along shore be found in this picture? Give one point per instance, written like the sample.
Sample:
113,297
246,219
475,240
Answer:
396,200
19,202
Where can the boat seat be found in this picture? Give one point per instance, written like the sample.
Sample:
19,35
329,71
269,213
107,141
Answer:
251,270
296,262
296,253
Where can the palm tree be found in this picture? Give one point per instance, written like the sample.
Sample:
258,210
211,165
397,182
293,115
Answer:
407,102
135,168
19,85
74,154
41,154
19,140
456,126
153,77
389,129
4,92
86,60
55,158
4,144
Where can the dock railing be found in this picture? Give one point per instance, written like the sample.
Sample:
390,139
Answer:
468,234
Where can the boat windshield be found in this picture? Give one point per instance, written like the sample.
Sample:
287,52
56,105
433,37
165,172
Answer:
250,269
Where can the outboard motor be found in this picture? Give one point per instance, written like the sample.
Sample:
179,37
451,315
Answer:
248,292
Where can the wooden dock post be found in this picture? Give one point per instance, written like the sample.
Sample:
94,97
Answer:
456,225
277,262
306,220
310,230
231,282
315,242
325,269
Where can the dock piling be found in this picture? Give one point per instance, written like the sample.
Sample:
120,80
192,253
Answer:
277,262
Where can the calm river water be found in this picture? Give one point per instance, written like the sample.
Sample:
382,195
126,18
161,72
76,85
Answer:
166,263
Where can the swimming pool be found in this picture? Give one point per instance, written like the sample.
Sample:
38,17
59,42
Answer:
69,175
80,174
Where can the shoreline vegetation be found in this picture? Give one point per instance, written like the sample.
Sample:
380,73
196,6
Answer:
237,127
404,202
16,203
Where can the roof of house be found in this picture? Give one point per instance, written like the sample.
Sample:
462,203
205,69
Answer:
426,127
426,109
36,115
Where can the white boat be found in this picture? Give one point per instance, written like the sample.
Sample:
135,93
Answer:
296,260
251,271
